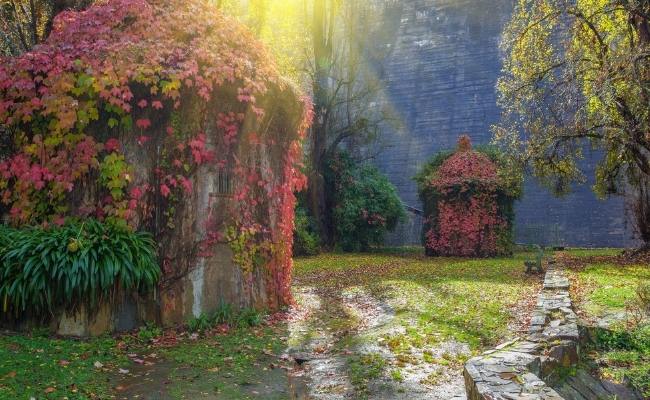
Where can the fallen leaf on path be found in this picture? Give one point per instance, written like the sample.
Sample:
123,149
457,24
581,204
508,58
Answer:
508,375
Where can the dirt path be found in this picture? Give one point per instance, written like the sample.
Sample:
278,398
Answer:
334,350
336,333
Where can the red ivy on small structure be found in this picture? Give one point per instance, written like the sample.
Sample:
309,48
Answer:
125,65
467,222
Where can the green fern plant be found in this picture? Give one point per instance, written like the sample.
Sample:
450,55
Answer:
44,269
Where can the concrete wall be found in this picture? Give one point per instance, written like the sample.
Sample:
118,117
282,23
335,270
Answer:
440,77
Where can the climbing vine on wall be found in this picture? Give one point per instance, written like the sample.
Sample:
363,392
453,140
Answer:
468,201
122,72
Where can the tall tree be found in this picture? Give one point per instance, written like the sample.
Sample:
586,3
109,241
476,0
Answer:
346,94
26,23
323,45
577,74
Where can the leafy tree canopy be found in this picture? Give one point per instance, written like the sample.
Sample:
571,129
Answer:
577,73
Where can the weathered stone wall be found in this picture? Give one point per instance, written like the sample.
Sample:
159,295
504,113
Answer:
526,368
440,75
195,280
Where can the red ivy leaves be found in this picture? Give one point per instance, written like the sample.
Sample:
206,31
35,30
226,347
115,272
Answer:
89,65
143,123
467,223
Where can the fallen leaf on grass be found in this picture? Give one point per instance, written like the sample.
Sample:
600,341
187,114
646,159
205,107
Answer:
98,364
12,374
63,363
49,390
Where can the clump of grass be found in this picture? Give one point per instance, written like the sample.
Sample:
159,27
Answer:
226,314
625,355
149,331
397,375
364,369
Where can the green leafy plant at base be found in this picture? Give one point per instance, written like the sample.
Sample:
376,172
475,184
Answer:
149,332
226,314
43,269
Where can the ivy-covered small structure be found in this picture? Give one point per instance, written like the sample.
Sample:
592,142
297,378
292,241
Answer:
164,117
468,198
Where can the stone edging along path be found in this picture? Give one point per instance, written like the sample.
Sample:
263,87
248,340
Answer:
525,368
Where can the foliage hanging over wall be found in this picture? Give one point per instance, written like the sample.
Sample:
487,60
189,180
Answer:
47,268
366,205
123,73
468,198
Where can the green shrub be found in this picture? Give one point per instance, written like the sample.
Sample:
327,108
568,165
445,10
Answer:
366,205
306,241
42,269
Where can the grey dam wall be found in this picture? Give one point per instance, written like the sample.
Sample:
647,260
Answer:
440,74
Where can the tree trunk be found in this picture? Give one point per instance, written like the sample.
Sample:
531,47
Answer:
322,44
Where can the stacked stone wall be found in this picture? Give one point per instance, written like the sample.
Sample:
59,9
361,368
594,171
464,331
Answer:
528,367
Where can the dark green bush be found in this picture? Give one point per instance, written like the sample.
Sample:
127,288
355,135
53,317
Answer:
365,204
306,240
43,269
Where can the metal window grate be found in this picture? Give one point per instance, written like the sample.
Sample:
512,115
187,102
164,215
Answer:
224,184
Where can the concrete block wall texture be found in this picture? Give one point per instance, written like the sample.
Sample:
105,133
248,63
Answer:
440,74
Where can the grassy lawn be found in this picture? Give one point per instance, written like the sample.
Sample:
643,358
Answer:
41,367
606,293
443,310
392,317
470,300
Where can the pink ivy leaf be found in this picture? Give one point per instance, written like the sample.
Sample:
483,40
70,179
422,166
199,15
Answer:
143,123
164,190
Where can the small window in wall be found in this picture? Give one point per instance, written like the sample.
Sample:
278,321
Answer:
224,183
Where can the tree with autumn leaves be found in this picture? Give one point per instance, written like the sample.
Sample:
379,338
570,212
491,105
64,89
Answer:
577,76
